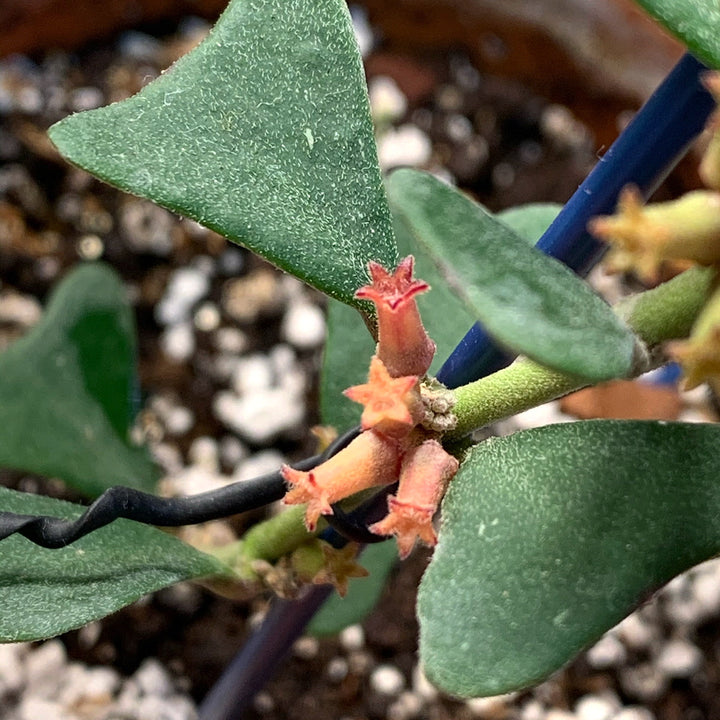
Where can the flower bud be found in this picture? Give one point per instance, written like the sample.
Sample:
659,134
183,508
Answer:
393,406
644,236
403,345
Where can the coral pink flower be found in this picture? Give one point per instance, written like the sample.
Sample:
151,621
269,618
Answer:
393,406
370,459
426,471
403,344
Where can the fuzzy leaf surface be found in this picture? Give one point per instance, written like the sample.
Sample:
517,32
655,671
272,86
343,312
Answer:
67,387
529,221
527,301
696,24
262,133
47,592
552,536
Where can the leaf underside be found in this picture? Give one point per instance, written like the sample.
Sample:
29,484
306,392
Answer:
552,536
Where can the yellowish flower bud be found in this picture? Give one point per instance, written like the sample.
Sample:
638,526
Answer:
643,236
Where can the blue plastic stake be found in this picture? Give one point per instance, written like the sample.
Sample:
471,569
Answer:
644,154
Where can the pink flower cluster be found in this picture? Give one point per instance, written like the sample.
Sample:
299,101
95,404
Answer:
392,445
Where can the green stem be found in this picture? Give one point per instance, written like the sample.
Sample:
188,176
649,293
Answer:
663,313
268,540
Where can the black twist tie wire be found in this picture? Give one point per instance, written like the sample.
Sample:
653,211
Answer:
131,504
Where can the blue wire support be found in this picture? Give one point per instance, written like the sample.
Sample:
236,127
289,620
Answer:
643,155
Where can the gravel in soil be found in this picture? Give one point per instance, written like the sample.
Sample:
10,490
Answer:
225,342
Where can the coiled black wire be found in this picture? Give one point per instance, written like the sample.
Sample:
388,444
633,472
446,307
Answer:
123,502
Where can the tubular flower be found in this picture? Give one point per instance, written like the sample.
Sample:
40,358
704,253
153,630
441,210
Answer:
426,471
370,459
403,344
644,236
393,406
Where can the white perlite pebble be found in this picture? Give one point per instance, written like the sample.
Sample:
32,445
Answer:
406,707
204,453
186,287
152,678
22,310
597,707
253,373
387,102
260,416
44,667
35,708
12,675
706,588
352,637
634,713
679,659
261,463
637,632
364,35
230,340
532,710
306,648
555,714
407,145
387,680
607,652
303,326
207,317
176,707
494,705
337,670
88,685
422,686
263,702
178,342
643,682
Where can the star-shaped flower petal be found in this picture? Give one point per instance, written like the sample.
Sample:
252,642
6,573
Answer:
370,459
340,565
403,344
393,406
426,471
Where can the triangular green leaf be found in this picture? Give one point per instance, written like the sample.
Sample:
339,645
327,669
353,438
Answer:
47,592
527,301
551,536
262,133
66,389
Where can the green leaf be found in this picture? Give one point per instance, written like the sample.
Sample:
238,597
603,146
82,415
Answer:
696,24
527,301
67,388
363,593
551,536
47,592
529,221
262,133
